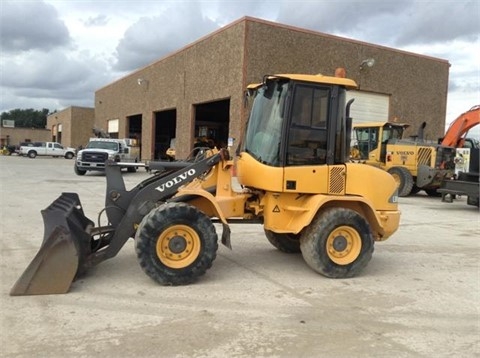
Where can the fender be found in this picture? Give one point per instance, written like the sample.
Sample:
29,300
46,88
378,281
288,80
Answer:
295,213
207,203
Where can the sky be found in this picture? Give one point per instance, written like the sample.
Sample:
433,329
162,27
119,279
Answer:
57,53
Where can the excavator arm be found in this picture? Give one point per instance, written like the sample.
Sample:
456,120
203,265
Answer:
454,137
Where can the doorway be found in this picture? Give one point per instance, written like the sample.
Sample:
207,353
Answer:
134,131
212,123
165,132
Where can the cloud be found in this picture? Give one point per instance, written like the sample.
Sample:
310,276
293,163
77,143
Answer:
340,17
60,52
151,38
389,23
224,12
427,23
99,20
55,76
27,25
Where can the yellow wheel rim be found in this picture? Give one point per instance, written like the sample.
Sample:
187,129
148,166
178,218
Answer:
344,245
178,246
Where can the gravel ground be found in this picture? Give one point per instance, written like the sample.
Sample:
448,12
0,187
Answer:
419,296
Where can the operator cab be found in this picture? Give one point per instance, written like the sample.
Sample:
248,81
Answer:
297,129
297,120
369,136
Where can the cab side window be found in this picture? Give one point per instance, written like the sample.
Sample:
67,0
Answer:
307,139
367,141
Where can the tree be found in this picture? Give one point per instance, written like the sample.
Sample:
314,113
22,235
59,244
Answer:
27,118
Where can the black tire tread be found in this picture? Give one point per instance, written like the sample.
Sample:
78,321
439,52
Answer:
79,171
406,180
156,222
314,238
288,243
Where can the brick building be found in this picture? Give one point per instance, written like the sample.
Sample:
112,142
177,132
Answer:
72,126
198,91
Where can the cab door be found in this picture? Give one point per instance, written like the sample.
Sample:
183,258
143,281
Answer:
50,150
57,149
367,141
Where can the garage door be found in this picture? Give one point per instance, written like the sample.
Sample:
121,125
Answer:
368,107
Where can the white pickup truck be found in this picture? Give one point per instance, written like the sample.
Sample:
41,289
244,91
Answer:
53,149
99,150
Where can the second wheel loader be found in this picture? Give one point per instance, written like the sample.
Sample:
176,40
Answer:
296,181
415,164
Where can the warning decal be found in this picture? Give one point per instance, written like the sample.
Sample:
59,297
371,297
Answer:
276,209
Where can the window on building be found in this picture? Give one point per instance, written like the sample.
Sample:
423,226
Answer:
113,126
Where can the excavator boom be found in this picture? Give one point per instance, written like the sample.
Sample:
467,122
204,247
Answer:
460,126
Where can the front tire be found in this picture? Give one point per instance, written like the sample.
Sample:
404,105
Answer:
338,243
132,169
78,171
288,243
176,243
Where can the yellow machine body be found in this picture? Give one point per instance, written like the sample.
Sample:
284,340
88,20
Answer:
415,163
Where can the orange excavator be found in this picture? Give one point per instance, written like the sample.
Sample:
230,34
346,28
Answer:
455,135
465,183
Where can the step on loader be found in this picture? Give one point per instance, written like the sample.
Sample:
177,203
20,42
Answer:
296,178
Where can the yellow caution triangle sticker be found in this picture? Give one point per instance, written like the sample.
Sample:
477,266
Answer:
276,209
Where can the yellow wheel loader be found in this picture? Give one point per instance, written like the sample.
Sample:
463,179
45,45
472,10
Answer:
296,180
415,164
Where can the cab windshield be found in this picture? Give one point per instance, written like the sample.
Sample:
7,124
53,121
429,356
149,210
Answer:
264,128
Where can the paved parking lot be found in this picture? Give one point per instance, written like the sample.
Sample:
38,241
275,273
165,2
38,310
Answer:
419,296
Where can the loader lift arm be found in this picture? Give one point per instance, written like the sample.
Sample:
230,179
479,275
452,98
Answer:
70,245
125,209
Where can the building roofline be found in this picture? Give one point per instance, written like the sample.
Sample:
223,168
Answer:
246,19
219,30
69,108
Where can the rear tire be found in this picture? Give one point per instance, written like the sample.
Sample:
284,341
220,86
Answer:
338,243
176,243
68,155
288,243
404,180
32,154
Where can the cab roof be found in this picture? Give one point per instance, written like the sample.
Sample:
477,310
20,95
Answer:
379,124
319,78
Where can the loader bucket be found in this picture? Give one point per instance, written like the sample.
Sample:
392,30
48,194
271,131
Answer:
65,248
